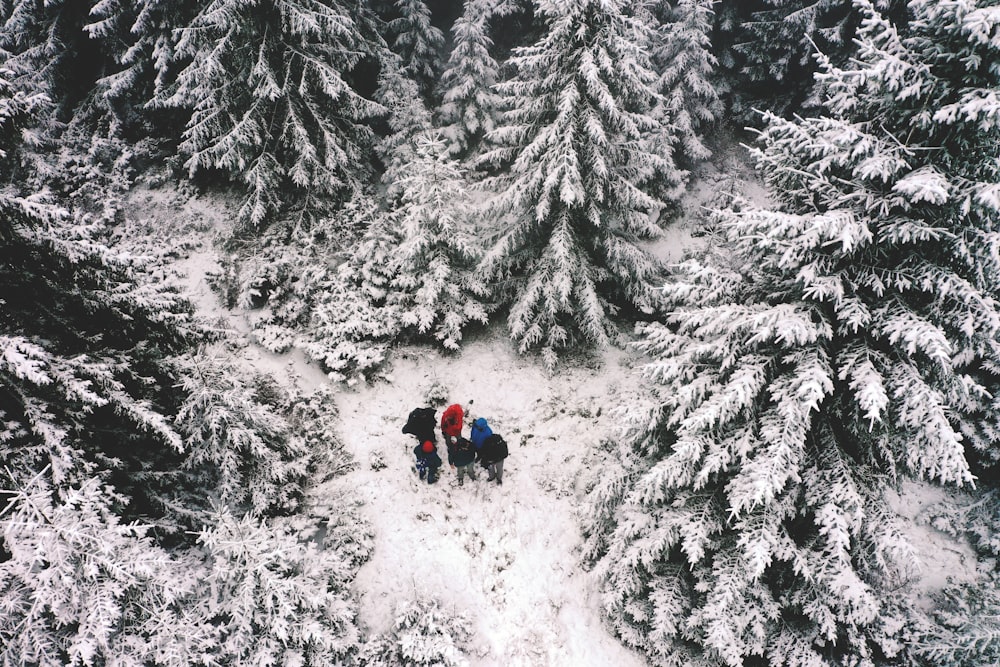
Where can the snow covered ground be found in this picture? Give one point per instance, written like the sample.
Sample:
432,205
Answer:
505,556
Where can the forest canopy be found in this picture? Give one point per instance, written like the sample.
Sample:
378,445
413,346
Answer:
412,171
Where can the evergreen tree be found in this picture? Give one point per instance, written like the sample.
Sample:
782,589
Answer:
569,144
270,103
418,43
428,291
469,103
422,634
838,343
138,36
778,45
407,118
681,54
45,48
99,429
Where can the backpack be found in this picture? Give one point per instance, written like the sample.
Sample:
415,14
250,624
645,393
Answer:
494,448
420,422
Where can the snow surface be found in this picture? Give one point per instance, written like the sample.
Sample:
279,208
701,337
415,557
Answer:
505,556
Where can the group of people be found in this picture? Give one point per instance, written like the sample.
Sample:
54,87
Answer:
483,446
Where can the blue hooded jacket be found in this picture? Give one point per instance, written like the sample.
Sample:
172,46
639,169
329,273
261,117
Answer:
479,432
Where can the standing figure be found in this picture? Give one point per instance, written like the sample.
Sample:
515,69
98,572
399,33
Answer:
462,456
491,456
428,461
478,433
451,423
420,425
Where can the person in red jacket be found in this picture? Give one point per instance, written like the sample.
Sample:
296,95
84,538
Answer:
451,423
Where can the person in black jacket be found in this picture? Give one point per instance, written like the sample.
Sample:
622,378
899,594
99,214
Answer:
462,456
491,456
420,425
428,461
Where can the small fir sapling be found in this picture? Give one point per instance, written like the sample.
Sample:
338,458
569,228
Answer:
423,634
468,101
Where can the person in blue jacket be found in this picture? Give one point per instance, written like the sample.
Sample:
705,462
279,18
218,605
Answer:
478,433
428,461
462,456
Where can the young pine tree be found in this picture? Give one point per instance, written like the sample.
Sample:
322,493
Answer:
469,103
270,102
429,291
681,55
407,118
569,147
840,342
418,44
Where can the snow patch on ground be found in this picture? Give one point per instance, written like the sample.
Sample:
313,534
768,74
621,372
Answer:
507,556
940,559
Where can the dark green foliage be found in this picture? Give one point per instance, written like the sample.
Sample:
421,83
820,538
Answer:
571,203
818,352
270,103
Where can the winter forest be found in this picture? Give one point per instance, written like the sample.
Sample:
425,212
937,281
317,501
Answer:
476,195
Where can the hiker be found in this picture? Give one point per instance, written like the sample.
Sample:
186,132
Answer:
420,424
491,456
451,423
462,457
428,461
478,433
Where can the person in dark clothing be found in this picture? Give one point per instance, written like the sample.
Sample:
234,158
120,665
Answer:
451,423
420,425
462,456
428,461
491,456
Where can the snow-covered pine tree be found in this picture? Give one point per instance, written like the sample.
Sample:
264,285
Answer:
681,54
76,583
138,36
429,290
407,117
419,44
18,109
269,98
847,339
422,635
43,46
350,327
569,147
468,101
778,46
240,446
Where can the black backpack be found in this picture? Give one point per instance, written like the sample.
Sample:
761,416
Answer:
420,422
494,448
